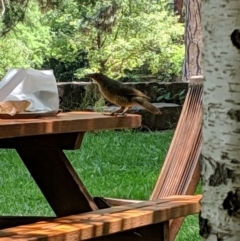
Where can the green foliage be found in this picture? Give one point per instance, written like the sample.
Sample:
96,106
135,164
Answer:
118,37
15,11
167,97
26,45
76,37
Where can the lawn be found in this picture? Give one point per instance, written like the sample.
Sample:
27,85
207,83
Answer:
123,164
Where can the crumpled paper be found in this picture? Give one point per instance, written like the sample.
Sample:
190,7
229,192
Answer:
37,86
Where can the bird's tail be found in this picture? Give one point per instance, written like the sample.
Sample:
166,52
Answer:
147,105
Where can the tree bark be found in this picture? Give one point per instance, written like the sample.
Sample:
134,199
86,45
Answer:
220,163
193,40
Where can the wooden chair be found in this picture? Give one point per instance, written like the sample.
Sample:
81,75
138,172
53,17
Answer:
180,173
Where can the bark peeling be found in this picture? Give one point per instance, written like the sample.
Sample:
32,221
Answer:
234,114
235,37
205,227
225,157
232,203
220,175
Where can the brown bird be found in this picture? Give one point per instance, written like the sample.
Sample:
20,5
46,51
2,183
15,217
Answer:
121,94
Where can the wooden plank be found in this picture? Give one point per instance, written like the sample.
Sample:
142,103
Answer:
142,204
6,221
95,224
66,122
176,223
12,221
166,231
57,180
120,201
155,232
65,141
133,206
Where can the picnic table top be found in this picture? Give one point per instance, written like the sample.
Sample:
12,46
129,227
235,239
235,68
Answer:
65,123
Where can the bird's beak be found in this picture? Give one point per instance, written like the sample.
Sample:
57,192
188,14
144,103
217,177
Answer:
89,76
92,76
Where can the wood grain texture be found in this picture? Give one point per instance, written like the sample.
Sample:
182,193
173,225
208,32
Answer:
12,221
180,173
66,122
106,221
155,232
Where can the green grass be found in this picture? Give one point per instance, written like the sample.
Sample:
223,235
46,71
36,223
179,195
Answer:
121,164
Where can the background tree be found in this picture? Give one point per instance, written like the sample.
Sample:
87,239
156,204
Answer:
193,40
119,38
26,44
15,11
130,38
220,163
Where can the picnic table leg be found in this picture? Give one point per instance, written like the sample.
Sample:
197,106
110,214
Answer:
55,175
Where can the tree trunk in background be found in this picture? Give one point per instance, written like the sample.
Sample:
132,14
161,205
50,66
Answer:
178,9
193,40
220,212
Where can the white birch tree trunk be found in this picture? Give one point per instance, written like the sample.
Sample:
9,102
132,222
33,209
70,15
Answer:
220,215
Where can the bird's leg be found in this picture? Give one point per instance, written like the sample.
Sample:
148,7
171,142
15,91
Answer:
125,109
118,110
115,111
121,111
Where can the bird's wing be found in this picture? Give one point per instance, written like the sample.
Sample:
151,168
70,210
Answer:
129,91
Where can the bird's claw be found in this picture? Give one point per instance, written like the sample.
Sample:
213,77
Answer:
106,113
120,114
114,114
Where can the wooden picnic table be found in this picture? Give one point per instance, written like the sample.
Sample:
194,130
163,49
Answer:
40,143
